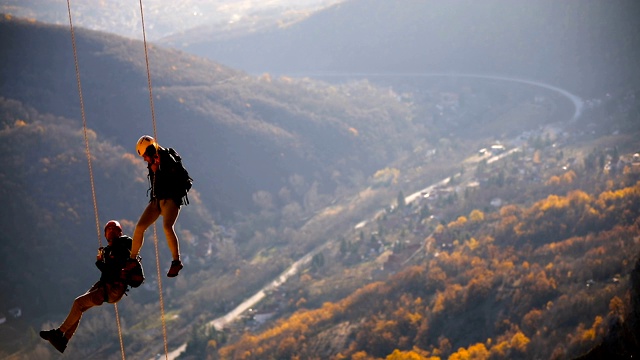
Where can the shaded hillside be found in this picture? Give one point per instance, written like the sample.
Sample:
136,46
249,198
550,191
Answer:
49,234
588,47
238,134
621,340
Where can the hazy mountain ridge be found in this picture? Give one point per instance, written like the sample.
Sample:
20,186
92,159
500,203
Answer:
164,18
588,47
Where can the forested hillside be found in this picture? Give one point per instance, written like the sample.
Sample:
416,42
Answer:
545,280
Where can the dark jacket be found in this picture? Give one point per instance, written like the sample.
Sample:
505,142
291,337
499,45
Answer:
166,181
114,258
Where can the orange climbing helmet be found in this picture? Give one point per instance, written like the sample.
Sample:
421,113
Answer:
143,144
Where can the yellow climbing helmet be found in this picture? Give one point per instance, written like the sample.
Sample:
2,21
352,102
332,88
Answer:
144,142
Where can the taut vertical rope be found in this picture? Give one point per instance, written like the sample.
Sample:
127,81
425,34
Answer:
155,231
88,152
115,306
84,124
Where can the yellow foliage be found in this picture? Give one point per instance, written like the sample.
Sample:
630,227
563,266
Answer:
461,354
500,349
568,177
476,216
474,352
564,179
444,346
451,295
383,325
413,318
436,275
532,319
438,303
472,244
519,341
360,355
287,344
616,306
510,210
503,266
478,351
460,222
553,181
589,335
404,355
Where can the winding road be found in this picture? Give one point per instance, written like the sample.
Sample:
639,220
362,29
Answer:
576,100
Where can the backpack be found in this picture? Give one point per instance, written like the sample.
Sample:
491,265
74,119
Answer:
183,181
135,277
132,273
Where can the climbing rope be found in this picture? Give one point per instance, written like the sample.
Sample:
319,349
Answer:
115,306
88,152
84,124
155,231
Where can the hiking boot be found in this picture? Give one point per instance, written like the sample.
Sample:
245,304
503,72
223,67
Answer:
56,338
176,266
50,334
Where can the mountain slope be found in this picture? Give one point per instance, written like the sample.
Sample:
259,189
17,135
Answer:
221,120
